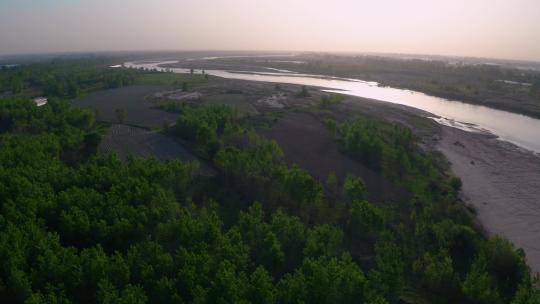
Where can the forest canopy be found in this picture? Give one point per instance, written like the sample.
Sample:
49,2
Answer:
79,226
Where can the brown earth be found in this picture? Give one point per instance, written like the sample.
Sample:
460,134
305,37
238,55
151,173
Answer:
134,101
127,140
306,141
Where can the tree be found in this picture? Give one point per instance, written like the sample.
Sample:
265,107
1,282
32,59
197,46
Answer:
355,188
332,182
291,233
386,278
505,264
109,294
332,125
478,284
264,245
455,183
528,293
329,100
303,92
436,273
229,285
364,217
261,289
323,240
325,280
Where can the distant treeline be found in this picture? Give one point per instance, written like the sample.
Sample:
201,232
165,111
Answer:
511,89
64,78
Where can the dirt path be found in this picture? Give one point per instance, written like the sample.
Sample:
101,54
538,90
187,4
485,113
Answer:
502,183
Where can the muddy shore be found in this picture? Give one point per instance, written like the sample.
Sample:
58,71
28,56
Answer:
502,182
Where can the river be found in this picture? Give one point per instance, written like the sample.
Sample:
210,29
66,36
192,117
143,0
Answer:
521,130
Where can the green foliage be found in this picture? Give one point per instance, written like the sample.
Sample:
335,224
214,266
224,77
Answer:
205,125
80,227
437,275
324,280
332,181
355,188
66,78
362,139
505,264
266,247
527,294
455,183
387,276
323,240
496,273
332,125
478,285
380,146
261,288
392,150
259,171
331,99
304,92
299,185
365,217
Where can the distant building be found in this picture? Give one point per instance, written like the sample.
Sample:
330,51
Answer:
40,101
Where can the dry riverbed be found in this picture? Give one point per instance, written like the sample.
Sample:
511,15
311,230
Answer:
502,182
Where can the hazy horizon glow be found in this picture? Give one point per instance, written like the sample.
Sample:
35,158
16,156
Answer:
481,28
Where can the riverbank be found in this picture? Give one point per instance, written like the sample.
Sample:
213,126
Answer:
495,86
500,180
514,128
502,183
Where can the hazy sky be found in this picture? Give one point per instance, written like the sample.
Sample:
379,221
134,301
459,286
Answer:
485,28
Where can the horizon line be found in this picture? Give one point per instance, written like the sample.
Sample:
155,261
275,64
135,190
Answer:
369,53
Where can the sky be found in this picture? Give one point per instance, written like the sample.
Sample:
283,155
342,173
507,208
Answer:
479,28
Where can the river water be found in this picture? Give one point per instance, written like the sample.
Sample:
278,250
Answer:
518,129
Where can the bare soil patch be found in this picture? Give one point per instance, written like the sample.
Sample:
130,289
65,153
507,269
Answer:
134,101
305,141
127,140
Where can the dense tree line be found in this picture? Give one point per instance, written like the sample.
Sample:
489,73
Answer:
80,227
432,246
100,230
65,78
